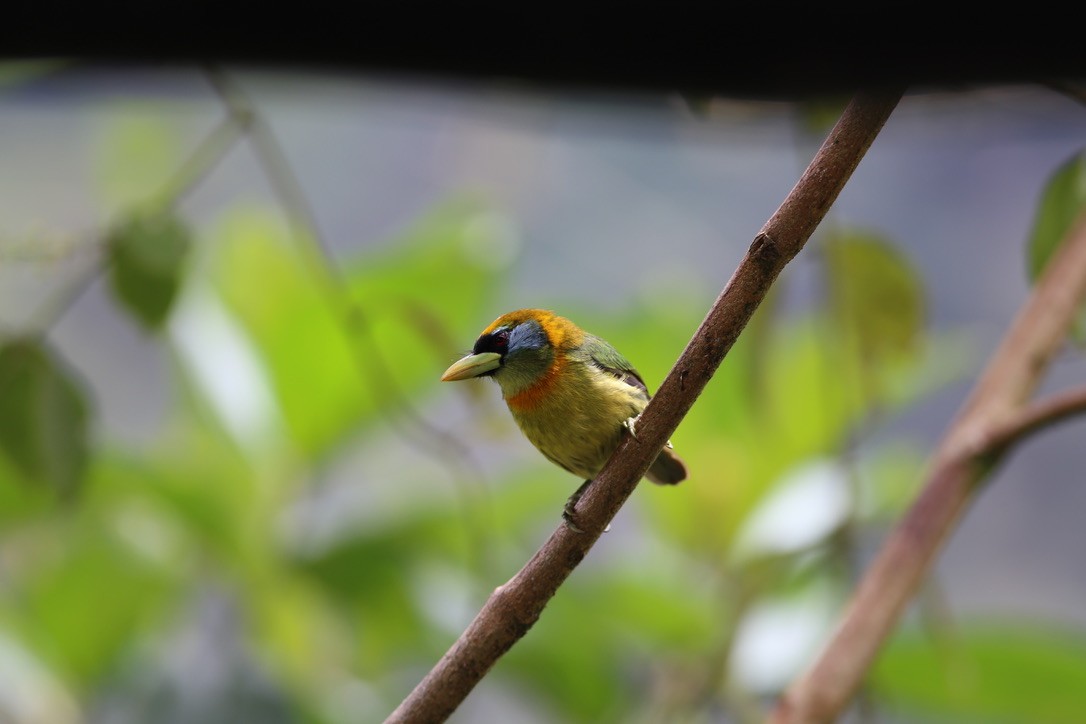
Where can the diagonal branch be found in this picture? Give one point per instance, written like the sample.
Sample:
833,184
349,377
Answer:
994,417
1031,420
514,607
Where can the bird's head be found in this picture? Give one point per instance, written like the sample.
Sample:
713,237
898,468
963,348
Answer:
517,349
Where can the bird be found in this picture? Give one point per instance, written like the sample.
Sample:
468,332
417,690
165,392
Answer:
571,393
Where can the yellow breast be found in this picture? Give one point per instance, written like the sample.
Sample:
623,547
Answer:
574,414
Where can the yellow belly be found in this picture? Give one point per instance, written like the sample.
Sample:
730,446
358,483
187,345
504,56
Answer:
579,426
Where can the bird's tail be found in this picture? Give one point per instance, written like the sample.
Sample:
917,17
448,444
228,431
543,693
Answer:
667,469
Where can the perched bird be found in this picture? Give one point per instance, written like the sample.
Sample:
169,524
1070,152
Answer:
571,393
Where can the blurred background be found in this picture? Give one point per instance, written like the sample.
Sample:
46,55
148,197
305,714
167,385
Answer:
232,488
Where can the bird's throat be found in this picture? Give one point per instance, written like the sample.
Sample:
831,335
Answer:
530,397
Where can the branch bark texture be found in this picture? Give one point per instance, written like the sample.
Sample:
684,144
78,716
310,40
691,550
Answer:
515,606
994,417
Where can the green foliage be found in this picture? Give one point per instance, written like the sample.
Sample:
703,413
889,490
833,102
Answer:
85,608
43,418
384,595
148,252
336,357
1062,200
877,299
1005,673
136,154
391,558
818,115
355,542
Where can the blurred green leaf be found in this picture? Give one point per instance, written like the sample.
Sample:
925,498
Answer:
15,73
43,415
209,499
889,480
573,661
650,617
1062,200
20,499
148,253
333,367
369,575
603,637
948,356
83,609
810,402
361,566
876,295
423,298
137,152
1008,673
818,115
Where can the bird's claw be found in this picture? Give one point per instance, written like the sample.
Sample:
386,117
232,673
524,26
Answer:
569,516
630,424
569,510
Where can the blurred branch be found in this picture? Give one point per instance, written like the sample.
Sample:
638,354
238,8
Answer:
402,416
304,225
212,149
994,418
1035,418
513,608
203,160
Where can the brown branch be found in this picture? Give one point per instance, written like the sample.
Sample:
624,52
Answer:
1033,419
994,416
514,607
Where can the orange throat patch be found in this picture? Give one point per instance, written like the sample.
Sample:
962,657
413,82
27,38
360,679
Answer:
532,397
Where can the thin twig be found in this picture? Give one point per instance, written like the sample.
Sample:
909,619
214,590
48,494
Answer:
1034,418
514,607
991,420
401,415
303,222
211,150
202,161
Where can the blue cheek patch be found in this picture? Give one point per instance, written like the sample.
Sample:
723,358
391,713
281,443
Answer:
529,335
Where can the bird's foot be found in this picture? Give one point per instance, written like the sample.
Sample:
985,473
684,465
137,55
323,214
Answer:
630,424
569,511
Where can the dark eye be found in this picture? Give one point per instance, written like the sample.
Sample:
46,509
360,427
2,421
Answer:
494,342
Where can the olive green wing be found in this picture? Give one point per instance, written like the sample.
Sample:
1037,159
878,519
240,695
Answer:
668,468
611,361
